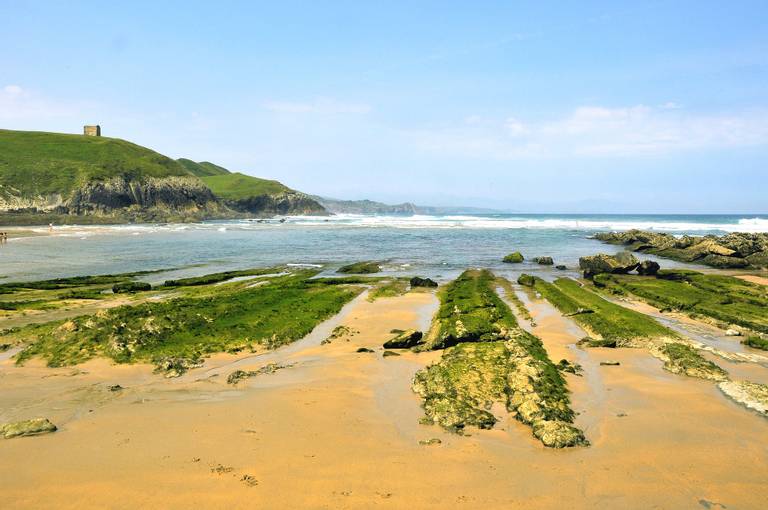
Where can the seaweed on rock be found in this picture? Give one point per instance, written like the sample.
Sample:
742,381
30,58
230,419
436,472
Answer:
491,360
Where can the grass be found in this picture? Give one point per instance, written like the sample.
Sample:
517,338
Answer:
236,186
37,163
186,328
725,299
608,321
203,168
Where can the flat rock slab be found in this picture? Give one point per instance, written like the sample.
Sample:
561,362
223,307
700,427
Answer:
27,428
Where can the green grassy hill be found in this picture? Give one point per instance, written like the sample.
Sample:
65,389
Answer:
236,186
203,168
61,178
37,163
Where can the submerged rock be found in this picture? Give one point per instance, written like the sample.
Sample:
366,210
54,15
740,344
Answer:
513,258
430,442
387,354
32,427
621,263
544,261
561,267
364,349
422,282
405,340
610,363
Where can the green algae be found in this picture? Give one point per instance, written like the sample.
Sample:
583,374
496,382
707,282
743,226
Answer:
756,342
470,311
389,288
722,298
490,360
681,358
513,258
366,267
191,326
608,321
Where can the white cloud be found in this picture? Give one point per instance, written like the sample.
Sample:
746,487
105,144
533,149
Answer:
323,106
598,131
12,90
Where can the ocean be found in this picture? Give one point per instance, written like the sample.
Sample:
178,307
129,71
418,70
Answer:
435,246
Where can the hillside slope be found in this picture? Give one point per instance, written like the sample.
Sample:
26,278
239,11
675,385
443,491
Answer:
248,194
64,178
106,179
203,168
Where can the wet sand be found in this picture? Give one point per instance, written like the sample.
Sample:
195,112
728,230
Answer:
339,429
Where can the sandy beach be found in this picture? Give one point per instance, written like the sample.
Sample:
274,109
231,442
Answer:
340,429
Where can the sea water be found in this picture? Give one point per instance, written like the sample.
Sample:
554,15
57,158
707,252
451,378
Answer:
439,246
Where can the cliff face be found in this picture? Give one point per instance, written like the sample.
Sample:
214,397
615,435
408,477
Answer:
122,197
285,203
181,194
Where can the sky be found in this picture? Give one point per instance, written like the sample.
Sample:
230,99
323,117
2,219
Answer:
560,107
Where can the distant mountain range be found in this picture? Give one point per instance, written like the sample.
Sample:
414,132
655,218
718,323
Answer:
336,206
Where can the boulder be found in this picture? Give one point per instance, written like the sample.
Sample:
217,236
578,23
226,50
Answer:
543,261
526,280
621,263
27,428
648,268
422,282
558,434
405,340
513,258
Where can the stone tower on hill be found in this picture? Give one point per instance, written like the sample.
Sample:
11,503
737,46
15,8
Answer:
92,130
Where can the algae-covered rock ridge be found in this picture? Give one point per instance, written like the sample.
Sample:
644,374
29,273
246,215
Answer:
735,250
488,359
64,178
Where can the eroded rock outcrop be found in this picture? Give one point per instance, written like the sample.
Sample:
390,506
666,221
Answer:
621,263
734,250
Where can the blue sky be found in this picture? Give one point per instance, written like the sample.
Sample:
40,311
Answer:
527,106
